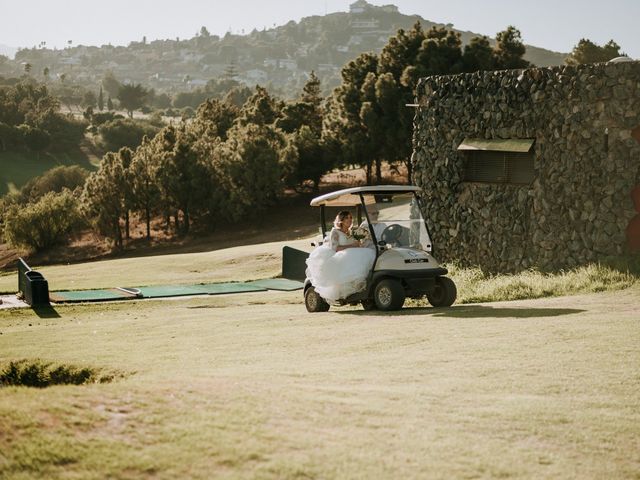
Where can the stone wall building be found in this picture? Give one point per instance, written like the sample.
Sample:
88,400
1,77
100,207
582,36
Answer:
529,168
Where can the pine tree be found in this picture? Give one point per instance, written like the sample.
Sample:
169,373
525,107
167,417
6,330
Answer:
510,50
101,100
145,192
588,52
103,196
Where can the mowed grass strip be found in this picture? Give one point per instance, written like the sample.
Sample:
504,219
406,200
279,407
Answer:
252,386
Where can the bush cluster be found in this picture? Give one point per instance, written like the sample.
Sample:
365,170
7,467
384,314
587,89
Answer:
124,132
30,117
39,374
43,223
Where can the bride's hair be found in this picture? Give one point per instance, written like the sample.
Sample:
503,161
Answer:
340,218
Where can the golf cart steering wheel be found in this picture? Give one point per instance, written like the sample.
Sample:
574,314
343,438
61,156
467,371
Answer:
391,235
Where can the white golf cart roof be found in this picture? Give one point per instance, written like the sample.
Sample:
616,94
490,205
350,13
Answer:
350,197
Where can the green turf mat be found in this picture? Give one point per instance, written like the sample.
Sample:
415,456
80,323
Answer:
231,287
91,295
278,284
159,291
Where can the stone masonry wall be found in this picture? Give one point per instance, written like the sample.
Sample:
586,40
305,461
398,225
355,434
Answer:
579,204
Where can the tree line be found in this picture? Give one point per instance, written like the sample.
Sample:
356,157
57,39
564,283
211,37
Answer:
231,162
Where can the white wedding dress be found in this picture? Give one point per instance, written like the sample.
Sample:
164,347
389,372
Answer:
336,275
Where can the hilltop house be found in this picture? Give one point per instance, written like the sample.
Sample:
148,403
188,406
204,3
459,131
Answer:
365,24
533,167
359,6
362,6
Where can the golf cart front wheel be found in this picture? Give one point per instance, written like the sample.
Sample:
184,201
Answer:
314,302
444,293
389,295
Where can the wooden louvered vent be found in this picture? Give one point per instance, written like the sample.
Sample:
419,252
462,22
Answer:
498,161
499,167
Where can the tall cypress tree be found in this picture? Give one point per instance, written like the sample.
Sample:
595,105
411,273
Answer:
101,100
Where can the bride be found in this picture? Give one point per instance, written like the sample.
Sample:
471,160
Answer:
340,266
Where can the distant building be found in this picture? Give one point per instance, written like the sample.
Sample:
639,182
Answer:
70,61
327,67
254,76
355,40
389,8
196,82
360,6
364,24
281,63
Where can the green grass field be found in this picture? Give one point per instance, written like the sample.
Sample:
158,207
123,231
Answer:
251,386
17,168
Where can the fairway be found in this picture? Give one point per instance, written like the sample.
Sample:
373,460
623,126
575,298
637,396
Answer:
252,386
17,168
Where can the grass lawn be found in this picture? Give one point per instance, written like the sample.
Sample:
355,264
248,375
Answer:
251,386
17,168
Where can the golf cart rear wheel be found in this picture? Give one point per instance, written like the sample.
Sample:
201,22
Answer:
389,295
444,293
314,302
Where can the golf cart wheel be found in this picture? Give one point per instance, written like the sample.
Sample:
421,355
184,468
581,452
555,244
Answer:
444,293
389,295
369,304
314,302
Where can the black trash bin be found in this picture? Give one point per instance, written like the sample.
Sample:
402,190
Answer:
36,289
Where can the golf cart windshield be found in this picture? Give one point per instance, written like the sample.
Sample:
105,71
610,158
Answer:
396,220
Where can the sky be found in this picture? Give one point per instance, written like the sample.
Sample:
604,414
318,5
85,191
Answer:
553,24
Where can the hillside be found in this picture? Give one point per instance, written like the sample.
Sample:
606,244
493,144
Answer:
280,58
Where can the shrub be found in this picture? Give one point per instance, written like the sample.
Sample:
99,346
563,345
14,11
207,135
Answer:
35,138
44,223
98,119
65,130
125,133
188,112
155,119
10,136
39,374
54,180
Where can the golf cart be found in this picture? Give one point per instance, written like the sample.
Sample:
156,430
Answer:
404,265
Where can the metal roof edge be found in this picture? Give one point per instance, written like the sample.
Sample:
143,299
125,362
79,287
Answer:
317,201
521,145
